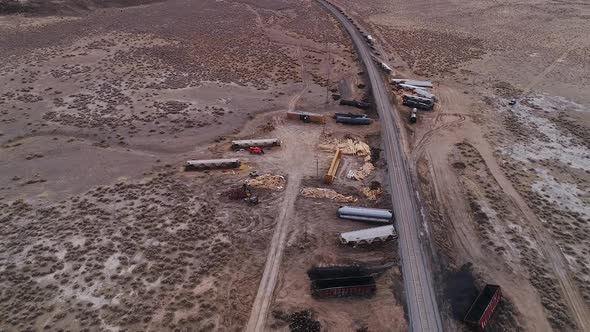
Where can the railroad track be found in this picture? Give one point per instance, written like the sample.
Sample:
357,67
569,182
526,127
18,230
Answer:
421,302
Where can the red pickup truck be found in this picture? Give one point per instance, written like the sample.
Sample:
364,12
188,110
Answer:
255,150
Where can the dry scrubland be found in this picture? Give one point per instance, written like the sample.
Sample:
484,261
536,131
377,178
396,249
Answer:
161,253
506,186
100,227
99,108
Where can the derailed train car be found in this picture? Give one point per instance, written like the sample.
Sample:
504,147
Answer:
369,235
342,281
354,120
381,216
266,142
344,287
205,164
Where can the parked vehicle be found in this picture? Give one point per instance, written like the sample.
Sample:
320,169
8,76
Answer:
386,68
255,150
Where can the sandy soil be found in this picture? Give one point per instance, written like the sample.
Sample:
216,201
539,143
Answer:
505,186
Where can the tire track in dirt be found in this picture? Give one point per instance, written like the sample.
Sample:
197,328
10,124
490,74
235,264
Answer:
419,147
541,76
267,285
259,21
449,99
296,97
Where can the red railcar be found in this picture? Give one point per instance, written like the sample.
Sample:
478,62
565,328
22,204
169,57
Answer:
484,306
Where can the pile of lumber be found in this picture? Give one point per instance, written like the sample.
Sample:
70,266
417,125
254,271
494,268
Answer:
361,173
327,193
268,181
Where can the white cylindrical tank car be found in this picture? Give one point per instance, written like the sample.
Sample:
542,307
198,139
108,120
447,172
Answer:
365,214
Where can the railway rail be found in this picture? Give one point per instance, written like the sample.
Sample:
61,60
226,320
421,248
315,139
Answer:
423,310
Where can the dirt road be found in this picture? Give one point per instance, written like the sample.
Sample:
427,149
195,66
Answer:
273,261
295,158
423,310
268,282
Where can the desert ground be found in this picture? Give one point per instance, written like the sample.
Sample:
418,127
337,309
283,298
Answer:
102,103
